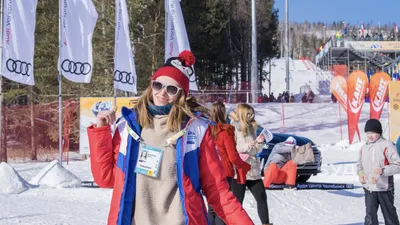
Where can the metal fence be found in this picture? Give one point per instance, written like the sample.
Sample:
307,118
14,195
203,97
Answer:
30,132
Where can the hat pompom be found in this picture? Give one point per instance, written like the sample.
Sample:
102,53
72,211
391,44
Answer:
187,58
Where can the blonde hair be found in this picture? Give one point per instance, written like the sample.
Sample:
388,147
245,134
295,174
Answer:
241,117
181,109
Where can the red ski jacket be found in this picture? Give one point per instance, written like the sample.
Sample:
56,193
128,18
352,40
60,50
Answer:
226,146
113,160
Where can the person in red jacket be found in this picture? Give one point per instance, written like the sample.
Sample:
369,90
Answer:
181,163
224,136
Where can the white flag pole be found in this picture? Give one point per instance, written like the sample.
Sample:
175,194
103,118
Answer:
115,88
1,78
115,97
115,108
60,125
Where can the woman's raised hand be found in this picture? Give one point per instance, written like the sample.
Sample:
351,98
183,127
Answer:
106,117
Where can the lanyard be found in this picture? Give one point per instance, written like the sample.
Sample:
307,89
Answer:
134,134
169,141
175,137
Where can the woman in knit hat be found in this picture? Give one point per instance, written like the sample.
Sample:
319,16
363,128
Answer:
181,158
377,164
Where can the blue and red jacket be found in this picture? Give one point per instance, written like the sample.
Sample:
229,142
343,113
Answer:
113,160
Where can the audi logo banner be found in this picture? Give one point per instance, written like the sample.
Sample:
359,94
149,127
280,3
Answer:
19,40
176,39
124,64
77,20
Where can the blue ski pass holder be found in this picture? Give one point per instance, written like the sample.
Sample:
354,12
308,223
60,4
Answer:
149,161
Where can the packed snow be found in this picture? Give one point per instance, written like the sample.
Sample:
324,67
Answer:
54,175
44,204
10,181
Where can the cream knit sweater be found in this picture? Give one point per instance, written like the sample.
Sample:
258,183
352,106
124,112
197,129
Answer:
157,199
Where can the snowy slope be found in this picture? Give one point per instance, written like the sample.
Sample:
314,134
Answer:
301,72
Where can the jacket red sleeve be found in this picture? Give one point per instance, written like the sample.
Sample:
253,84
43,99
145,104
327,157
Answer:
216,188
103,154
230,145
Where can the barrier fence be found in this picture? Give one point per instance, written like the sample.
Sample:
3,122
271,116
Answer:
30,132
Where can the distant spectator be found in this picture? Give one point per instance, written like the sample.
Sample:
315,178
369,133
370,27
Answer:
260,99
292,99
304,98
367,37
280,97
265,98
287,97
310,96
272,97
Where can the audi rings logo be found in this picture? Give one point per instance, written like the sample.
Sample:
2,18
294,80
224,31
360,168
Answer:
192,78
190,72
77,68
19,67
124,77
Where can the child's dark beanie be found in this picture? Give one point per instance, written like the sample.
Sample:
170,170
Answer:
373,125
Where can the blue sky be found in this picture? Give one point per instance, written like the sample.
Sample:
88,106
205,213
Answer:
352,11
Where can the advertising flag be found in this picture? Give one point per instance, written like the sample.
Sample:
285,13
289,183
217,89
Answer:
357,84
378,91
77,22
394,110
362,30
176,39
339,90
125,78
19,20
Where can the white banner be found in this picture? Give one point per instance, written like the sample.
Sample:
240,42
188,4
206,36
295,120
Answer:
19,21
176,39
77,22
124,65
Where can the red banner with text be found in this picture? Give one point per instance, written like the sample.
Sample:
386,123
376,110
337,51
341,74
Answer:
339,90
357,84
378,91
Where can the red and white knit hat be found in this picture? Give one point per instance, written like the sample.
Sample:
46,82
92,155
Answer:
178,68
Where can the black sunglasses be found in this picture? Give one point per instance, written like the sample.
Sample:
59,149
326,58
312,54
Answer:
171,89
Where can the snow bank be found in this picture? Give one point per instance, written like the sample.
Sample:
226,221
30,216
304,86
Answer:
343,145
10,181
54,175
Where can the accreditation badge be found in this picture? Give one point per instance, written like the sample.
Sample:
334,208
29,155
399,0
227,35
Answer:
149,161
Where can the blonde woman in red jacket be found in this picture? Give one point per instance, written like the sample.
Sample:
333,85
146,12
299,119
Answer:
181,163
224,136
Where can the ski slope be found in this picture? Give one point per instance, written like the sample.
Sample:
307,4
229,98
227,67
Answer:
302,73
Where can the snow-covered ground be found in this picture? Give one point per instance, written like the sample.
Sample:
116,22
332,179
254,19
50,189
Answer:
47,203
